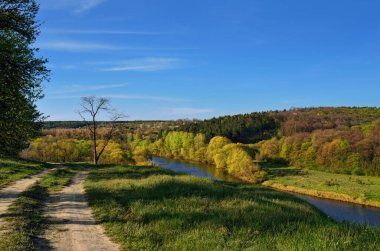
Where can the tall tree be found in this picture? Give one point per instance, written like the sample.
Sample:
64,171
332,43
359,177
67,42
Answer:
21,75
91,108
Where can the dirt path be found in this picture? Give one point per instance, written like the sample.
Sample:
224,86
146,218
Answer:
72,225
10,193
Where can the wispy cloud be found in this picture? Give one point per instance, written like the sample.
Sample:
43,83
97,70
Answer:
187,111
87,46
144,97
87,4
101,32
77,6
116,96
76,46
82,88
145,65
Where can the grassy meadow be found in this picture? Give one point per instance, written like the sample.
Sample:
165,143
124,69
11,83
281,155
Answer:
149,208
15,169
25,221
358,189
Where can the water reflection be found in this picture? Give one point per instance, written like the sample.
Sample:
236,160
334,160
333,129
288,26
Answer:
205,171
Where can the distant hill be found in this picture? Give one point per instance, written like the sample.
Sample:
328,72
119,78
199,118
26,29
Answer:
79,124
257,126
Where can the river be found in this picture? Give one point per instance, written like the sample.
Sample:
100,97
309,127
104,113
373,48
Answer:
339,211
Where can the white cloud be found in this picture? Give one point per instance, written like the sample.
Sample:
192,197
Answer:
101,32
87,4
82,88
145,65
143,97
84,46
187,111
76,46
77,6
117,96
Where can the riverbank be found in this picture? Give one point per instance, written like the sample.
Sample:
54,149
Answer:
362,190
152,208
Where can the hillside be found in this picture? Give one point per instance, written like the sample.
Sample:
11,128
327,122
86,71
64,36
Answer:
335,139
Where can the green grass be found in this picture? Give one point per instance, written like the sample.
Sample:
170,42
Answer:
15,169
24,221
359,188
148,208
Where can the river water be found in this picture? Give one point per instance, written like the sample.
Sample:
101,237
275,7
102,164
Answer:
339,211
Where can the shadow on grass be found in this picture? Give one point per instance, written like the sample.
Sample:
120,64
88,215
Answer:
284,171
191,202
142,172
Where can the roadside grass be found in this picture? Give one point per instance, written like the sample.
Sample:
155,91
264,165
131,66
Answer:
358,189
149,208
24,221
15,169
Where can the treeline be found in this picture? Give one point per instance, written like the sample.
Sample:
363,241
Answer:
73,145
61,150
354,150
334,139
246,128
235,159
258,126
137,123
341,140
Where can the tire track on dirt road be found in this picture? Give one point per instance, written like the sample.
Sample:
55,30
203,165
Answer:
71,222
10,193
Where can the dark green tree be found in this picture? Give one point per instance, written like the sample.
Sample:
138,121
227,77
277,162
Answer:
21,75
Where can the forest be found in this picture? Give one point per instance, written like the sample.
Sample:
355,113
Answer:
339,140
334,139
136,146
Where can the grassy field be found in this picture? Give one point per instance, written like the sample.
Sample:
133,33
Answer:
358,189
25,218
148,208
15,169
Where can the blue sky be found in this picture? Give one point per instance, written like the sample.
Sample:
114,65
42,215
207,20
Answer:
170,59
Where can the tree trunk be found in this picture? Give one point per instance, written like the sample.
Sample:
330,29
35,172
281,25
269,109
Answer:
94,141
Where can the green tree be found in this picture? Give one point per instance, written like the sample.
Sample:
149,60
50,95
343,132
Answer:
21,75
215,146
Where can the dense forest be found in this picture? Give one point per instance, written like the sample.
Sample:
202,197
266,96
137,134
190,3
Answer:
136,123
246,128
341,140
135,146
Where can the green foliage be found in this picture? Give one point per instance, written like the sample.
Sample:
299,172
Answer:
147,208
247,128
235,159
21,75
346,150
59,150
215,147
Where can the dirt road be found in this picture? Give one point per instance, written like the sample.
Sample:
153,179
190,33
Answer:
71,222
10,193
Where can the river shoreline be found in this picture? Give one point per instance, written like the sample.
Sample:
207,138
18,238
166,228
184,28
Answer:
322,194
340,207
310,192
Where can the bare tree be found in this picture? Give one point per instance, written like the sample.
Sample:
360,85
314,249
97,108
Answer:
91,108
